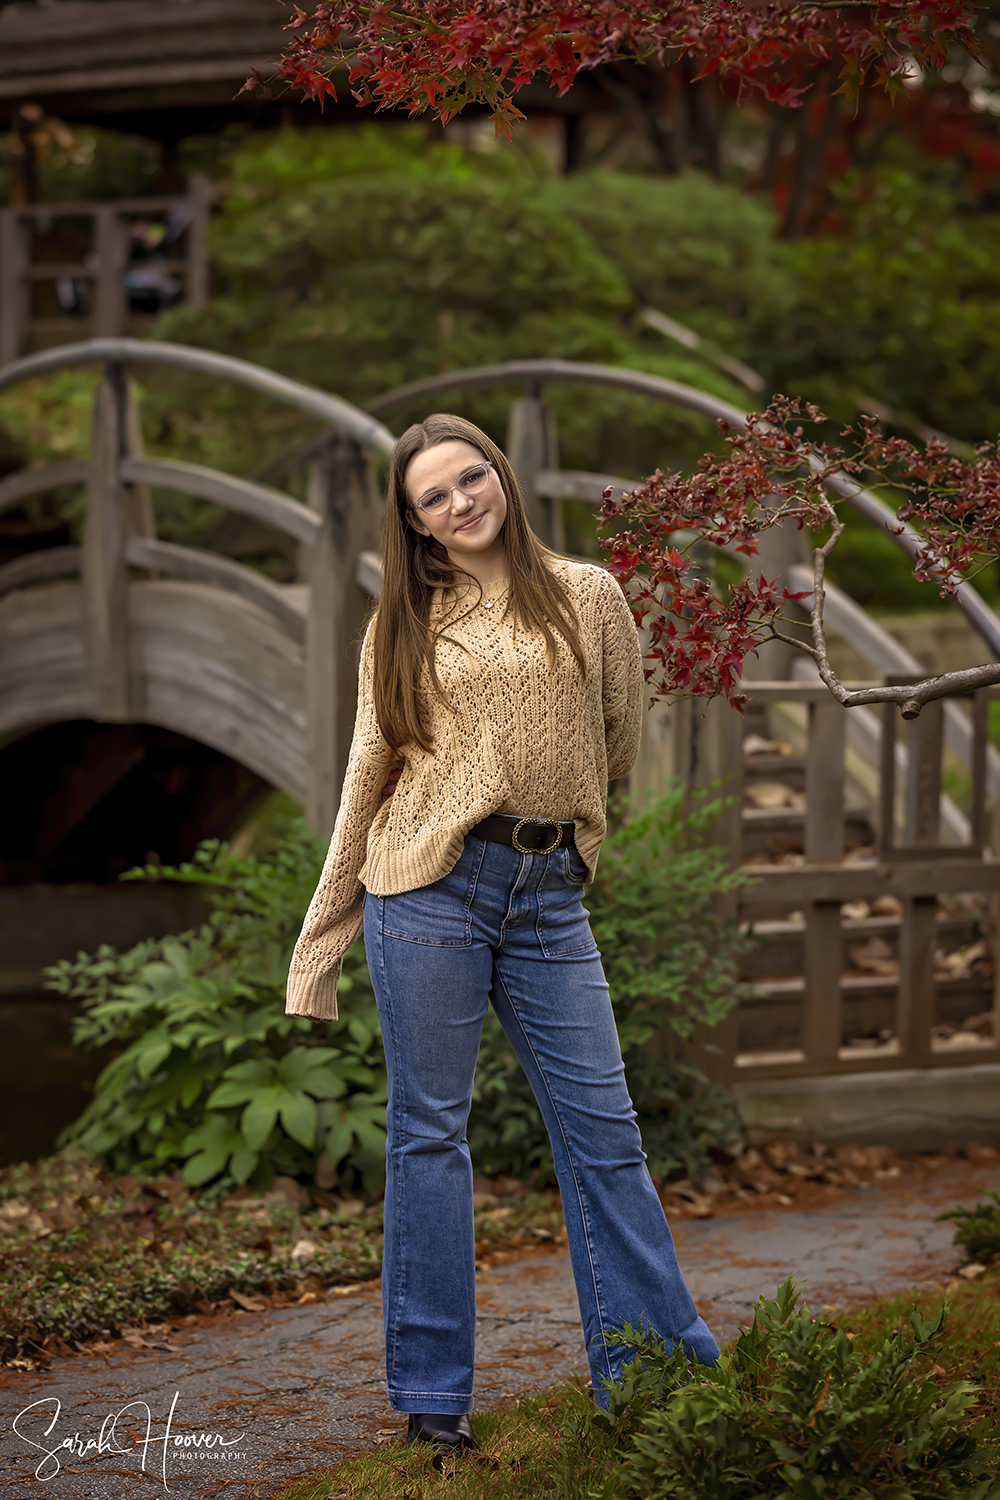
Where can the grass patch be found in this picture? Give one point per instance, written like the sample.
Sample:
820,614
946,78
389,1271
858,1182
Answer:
86,1254
552,1445
970,1349
524,1451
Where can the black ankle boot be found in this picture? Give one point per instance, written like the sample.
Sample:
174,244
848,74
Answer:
448,1433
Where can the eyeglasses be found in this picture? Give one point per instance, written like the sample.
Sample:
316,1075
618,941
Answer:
435,502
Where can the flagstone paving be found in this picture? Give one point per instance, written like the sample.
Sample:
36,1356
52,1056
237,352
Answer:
243,1403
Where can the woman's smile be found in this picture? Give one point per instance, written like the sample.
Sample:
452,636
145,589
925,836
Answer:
468,526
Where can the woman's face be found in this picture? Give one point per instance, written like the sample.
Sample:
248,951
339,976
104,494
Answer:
467,526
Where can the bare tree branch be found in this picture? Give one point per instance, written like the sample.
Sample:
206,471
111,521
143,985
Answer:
911,698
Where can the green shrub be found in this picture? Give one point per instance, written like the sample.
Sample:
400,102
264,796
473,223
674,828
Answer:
362,258
793,1411
211,1076
978,1229
212,1073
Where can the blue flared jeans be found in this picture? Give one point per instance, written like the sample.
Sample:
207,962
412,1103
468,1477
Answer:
510,930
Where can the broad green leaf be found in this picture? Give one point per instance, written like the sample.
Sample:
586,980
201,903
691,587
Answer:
152,1053
232,1092
298,1115
257,1120
215,1130
243,1162
206,1165
190,1090
338,1141
261,1070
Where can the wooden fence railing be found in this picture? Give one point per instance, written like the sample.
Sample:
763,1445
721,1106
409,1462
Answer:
102,269
811,881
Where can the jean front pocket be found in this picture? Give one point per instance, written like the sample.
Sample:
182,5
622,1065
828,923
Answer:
438,915
563,925
575,866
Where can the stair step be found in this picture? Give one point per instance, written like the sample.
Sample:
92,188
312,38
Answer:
756,819
793,988
779,946
749,1058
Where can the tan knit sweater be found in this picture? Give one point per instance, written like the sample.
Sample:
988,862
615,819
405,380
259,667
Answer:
520,737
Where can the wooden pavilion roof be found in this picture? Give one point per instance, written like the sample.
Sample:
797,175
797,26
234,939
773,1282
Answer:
88,59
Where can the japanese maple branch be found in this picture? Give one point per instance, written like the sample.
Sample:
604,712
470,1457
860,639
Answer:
911,698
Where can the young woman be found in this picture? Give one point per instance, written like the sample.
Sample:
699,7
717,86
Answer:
500,689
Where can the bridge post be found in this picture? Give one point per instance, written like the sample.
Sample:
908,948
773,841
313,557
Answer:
341,489
115,512
532,445
15,288
104,574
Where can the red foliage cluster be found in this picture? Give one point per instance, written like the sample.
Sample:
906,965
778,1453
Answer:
955,505
443,54
698,636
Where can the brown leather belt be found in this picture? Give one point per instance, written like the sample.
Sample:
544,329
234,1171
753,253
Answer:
527,835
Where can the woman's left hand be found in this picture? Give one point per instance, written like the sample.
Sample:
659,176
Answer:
390,785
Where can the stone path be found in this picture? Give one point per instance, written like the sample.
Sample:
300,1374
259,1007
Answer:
256,1399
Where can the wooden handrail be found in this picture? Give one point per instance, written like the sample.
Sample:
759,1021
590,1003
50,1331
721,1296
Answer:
78,208
218,572
241,495
578,484
344,418
45,566
26,483
537,371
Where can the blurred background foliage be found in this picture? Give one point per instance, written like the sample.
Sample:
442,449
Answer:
362,257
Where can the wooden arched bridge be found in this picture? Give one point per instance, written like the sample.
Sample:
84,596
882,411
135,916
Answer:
127,628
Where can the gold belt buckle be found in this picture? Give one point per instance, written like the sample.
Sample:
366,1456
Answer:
539,823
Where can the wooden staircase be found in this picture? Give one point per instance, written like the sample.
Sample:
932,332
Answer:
864,935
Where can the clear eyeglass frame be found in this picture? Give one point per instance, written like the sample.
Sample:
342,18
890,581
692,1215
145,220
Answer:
435,501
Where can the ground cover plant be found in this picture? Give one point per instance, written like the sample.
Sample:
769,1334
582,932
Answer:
210,1078
88,1256
978,1228
871,1403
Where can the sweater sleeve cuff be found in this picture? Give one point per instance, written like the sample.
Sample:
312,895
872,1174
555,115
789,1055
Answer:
313,995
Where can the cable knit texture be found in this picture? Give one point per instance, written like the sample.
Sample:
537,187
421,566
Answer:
519,737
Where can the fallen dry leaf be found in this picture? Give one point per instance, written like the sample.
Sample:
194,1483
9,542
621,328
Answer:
303,1249
249,1304
874,957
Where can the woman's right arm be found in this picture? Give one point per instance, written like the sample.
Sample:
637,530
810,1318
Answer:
335,914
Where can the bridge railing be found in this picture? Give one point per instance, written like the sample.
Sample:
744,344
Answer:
104,269
849,764
340,522
834,875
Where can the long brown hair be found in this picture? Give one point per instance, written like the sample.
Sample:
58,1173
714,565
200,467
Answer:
414,566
